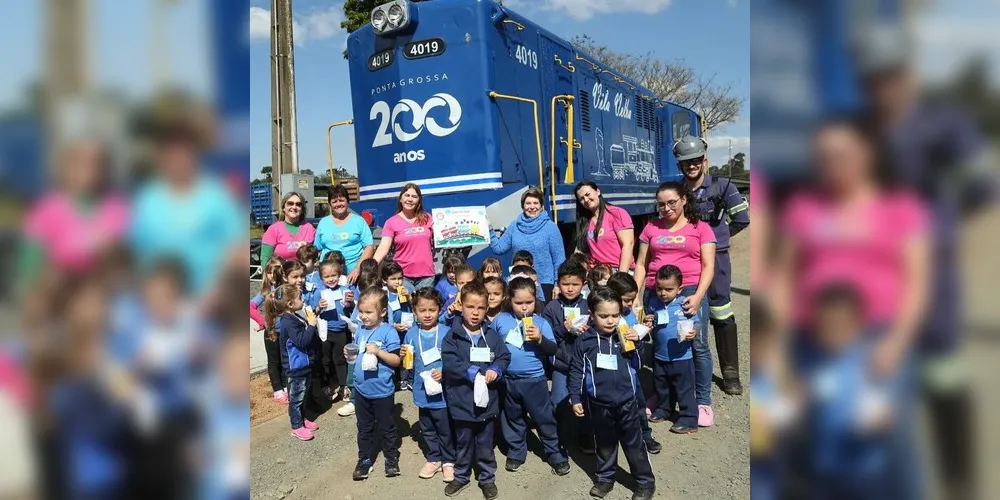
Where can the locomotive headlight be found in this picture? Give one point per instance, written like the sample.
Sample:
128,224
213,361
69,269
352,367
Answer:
378,19
396,14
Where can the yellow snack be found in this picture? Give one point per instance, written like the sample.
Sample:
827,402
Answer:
402,298
627,345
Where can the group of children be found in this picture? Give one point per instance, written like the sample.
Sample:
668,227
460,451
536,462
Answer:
478,353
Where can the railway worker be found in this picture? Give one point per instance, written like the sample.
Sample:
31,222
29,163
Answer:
285,237
345,232
603,231
678,237
721,205
535,232
411,231
941,154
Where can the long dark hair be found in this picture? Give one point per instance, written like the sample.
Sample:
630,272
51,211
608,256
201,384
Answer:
583,215
690,207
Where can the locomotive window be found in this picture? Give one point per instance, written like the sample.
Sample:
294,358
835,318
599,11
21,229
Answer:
424,48
381,60
681,121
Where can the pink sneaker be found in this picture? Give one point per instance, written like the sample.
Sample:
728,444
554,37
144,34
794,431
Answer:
281,397
302,434
308,424
706,417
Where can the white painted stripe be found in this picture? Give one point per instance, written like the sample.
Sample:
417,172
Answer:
610,196
449,189
562,206
433,180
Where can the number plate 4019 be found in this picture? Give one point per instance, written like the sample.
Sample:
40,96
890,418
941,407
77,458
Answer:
424,48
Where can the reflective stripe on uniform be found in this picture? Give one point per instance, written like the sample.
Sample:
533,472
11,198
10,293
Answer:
739,208
721,312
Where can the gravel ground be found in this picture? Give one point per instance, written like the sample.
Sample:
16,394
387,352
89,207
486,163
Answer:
712,464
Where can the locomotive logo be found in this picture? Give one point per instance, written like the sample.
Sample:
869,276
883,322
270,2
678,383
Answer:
677,240
406,130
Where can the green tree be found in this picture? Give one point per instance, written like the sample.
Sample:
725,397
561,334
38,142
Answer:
357,13
266,172
671,81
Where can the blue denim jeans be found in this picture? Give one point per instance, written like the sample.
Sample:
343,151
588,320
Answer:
297,389
700,349
418,283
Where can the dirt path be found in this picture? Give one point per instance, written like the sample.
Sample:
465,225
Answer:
711,465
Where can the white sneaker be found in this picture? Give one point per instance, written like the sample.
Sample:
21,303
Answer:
346,410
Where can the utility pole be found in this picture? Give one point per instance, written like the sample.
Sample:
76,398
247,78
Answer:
284,134
67,58
730,164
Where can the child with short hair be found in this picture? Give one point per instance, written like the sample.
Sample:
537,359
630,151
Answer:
624,285
603,374
295,336
474,358
597,276
497,290
400,312
673,364
490,269
560,313
530,340
446,284
334,303
453,307
308,255
274,276
373,388
425,339
522,258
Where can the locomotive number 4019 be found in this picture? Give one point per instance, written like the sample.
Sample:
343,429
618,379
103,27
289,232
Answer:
424,48
526,56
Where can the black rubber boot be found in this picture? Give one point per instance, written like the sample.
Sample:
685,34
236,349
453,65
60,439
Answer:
727,345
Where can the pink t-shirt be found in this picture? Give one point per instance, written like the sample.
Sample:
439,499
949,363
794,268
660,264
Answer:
284,243
607,249
860,245
681,248
413,245
73,237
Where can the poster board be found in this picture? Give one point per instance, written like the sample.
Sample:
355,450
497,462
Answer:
460,227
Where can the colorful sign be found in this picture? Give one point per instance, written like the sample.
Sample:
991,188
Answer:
460,227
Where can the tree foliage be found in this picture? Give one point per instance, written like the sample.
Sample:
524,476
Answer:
671,81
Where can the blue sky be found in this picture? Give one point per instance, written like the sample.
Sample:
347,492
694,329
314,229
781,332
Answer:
712,36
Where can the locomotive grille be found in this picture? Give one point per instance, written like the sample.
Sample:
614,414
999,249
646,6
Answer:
640,113
585,110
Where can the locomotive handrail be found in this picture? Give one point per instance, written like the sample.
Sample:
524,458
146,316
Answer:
592,64
538,137
568,66
520,27
567,101
329,147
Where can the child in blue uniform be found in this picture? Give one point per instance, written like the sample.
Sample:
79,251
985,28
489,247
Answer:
453,307
624,285
527,391
673,366
474,356
296,337
400,314
334,304
425,340
569,302
606,373
373,388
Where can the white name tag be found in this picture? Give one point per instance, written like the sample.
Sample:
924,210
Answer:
394,305
337,294
607,361
480,355
514,338
430,355
662,318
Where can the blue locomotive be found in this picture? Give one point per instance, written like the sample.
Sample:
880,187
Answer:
474,103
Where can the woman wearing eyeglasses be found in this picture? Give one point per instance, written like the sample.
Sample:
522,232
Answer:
680,238
283,238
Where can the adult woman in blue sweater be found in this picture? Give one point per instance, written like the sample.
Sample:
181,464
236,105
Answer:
535,232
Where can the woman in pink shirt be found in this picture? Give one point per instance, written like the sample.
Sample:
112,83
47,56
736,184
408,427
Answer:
411,232
678,237
853,232
285,237
69,228
602,230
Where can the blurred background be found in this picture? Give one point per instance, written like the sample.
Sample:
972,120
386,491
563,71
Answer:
124,161
876,337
